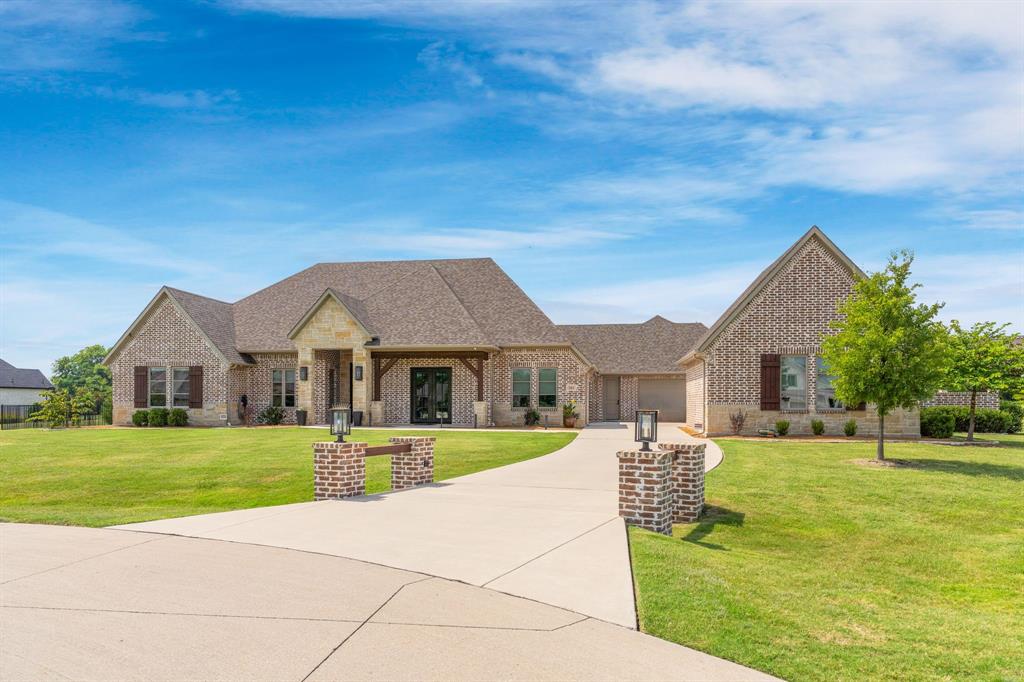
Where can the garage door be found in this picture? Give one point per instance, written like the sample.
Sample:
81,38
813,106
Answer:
666,395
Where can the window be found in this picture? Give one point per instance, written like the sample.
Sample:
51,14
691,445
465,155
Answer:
521,387
284,388
157,387
179,387
547,385
825,395
794,382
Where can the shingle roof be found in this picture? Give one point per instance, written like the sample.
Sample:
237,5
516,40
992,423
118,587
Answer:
426,302
12,377
652,347
214,318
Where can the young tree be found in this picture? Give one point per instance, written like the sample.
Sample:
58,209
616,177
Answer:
888,349
84,372
55,409
983,358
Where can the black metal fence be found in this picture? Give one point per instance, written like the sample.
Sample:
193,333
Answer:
17,417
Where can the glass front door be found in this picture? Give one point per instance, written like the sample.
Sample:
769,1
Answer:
431,395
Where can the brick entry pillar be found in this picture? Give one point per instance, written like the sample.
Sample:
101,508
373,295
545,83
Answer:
687,480
339,470
645,489
413,468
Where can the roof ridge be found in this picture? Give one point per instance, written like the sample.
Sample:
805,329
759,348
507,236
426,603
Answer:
192,293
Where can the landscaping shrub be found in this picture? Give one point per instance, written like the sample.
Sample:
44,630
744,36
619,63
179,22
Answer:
985,420
140,418
177,417
531,418
737,419
1015,410
158,416
782,427
850,427
272,415
937,422
817,427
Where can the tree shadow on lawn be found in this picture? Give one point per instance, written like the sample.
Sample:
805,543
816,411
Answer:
713,516
954,466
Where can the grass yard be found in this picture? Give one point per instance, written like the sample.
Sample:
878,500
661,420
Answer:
100,477
811,567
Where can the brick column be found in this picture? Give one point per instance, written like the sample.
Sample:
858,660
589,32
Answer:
339,470
415,467
687,480
645,492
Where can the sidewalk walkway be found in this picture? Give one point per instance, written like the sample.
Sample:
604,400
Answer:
547,529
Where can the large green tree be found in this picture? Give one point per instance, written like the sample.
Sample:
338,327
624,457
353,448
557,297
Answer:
84,373
888,349
983,358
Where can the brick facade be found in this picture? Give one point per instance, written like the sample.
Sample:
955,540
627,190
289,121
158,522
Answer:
687,479
339,470
789,316
572,379
413,468
395,389
985,400
166,339
645,489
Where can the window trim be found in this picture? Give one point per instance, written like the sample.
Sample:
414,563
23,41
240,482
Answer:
173,394
553,394
283,386
149,386
529,388
783,407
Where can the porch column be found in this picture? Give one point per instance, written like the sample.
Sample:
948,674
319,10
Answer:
361,388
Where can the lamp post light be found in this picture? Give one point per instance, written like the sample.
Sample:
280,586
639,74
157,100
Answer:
341,422
646,428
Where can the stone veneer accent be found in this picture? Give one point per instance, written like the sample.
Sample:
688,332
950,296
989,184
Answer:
413,468
687,478
985,400
572,379
645,489
165,338
339,470
789,315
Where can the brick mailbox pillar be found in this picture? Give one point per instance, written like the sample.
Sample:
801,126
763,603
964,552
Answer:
645,489
687,480
339,470
413,468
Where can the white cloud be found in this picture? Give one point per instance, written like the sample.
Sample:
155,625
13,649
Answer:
179,99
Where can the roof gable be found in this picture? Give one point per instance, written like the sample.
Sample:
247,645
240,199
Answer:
354,308
766,276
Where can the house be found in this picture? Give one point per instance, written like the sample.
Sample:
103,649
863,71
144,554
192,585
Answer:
456,341
21,386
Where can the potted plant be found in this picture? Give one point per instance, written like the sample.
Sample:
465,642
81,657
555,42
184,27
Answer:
569,414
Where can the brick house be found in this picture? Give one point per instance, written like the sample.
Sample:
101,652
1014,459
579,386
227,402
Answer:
458,342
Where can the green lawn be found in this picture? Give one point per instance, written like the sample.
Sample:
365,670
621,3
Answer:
812,567
100,477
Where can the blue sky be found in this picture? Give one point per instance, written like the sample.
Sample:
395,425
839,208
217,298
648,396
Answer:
618,160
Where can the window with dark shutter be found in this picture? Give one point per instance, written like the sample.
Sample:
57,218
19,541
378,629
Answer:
770,381
141,393
195,386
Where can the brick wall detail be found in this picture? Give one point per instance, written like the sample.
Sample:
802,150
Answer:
645,489
687,478
987,400
573,377
339,470
395,389
415,467
166,339
695,394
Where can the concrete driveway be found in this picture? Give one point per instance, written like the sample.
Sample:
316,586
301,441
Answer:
100,604
547,529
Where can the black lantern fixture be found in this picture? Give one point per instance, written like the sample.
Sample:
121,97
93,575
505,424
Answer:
341,422
646,428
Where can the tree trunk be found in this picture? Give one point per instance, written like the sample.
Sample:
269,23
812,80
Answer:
880,451
970,424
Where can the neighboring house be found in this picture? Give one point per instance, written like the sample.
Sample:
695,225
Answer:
458,342
21,386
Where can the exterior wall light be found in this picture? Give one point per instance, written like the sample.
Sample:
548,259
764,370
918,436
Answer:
341,422
303,373
358,372
646,428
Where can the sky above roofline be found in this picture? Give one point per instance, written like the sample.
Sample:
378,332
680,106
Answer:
617,160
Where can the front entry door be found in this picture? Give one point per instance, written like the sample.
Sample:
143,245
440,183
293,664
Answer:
610,398
431,395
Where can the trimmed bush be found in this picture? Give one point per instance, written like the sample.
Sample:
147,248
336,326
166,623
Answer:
937,422
177,417
140,417
817,427
985,421
531,418
158,416
782,427
272,415
850,428
1015,410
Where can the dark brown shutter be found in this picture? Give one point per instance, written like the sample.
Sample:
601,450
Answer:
141,386
195,386
770,381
